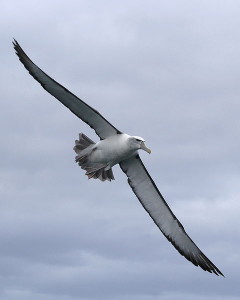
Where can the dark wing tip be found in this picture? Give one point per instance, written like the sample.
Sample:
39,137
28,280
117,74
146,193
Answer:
198,259
16,46
14,41
205,263
20,53
27,62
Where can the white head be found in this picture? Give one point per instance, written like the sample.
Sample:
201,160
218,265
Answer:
137,142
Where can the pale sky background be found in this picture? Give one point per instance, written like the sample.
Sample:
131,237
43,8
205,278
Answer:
168,71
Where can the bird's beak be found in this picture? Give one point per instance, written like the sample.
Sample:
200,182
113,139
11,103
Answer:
145,148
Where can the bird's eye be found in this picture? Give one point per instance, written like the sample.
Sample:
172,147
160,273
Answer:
138,140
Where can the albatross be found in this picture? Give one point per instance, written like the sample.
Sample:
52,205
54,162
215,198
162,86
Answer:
116,147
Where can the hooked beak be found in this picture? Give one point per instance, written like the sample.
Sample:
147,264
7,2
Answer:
145,148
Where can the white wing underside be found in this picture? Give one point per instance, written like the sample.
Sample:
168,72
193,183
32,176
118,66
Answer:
154,203
82,110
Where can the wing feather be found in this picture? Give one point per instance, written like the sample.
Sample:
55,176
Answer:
151,199
82,110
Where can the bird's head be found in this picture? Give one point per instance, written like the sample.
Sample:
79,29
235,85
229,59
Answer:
137,143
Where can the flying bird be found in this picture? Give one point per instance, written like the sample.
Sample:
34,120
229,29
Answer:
115,147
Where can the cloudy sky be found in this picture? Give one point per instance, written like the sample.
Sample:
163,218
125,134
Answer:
165,70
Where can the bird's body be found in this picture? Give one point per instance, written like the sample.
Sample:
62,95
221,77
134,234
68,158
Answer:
115,147
120,150
98,158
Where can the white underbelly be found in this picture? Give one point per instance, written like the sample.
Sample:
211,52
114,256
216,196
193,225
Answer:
111,151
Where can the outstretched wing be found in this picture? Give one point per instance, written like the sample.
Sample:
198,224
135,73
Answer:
154,203
82,110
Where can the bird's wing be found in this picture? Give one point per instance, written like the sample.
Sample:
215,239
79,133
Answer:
151,199
82,110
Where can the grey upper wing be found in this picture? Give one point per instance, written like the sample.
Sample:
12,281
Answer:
86,113
154,203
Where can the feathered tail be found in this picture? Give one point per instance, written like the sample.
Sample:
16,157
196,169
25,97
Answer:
92,171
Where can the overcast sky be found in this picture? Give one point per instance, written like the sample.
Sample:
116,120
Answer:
168,71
